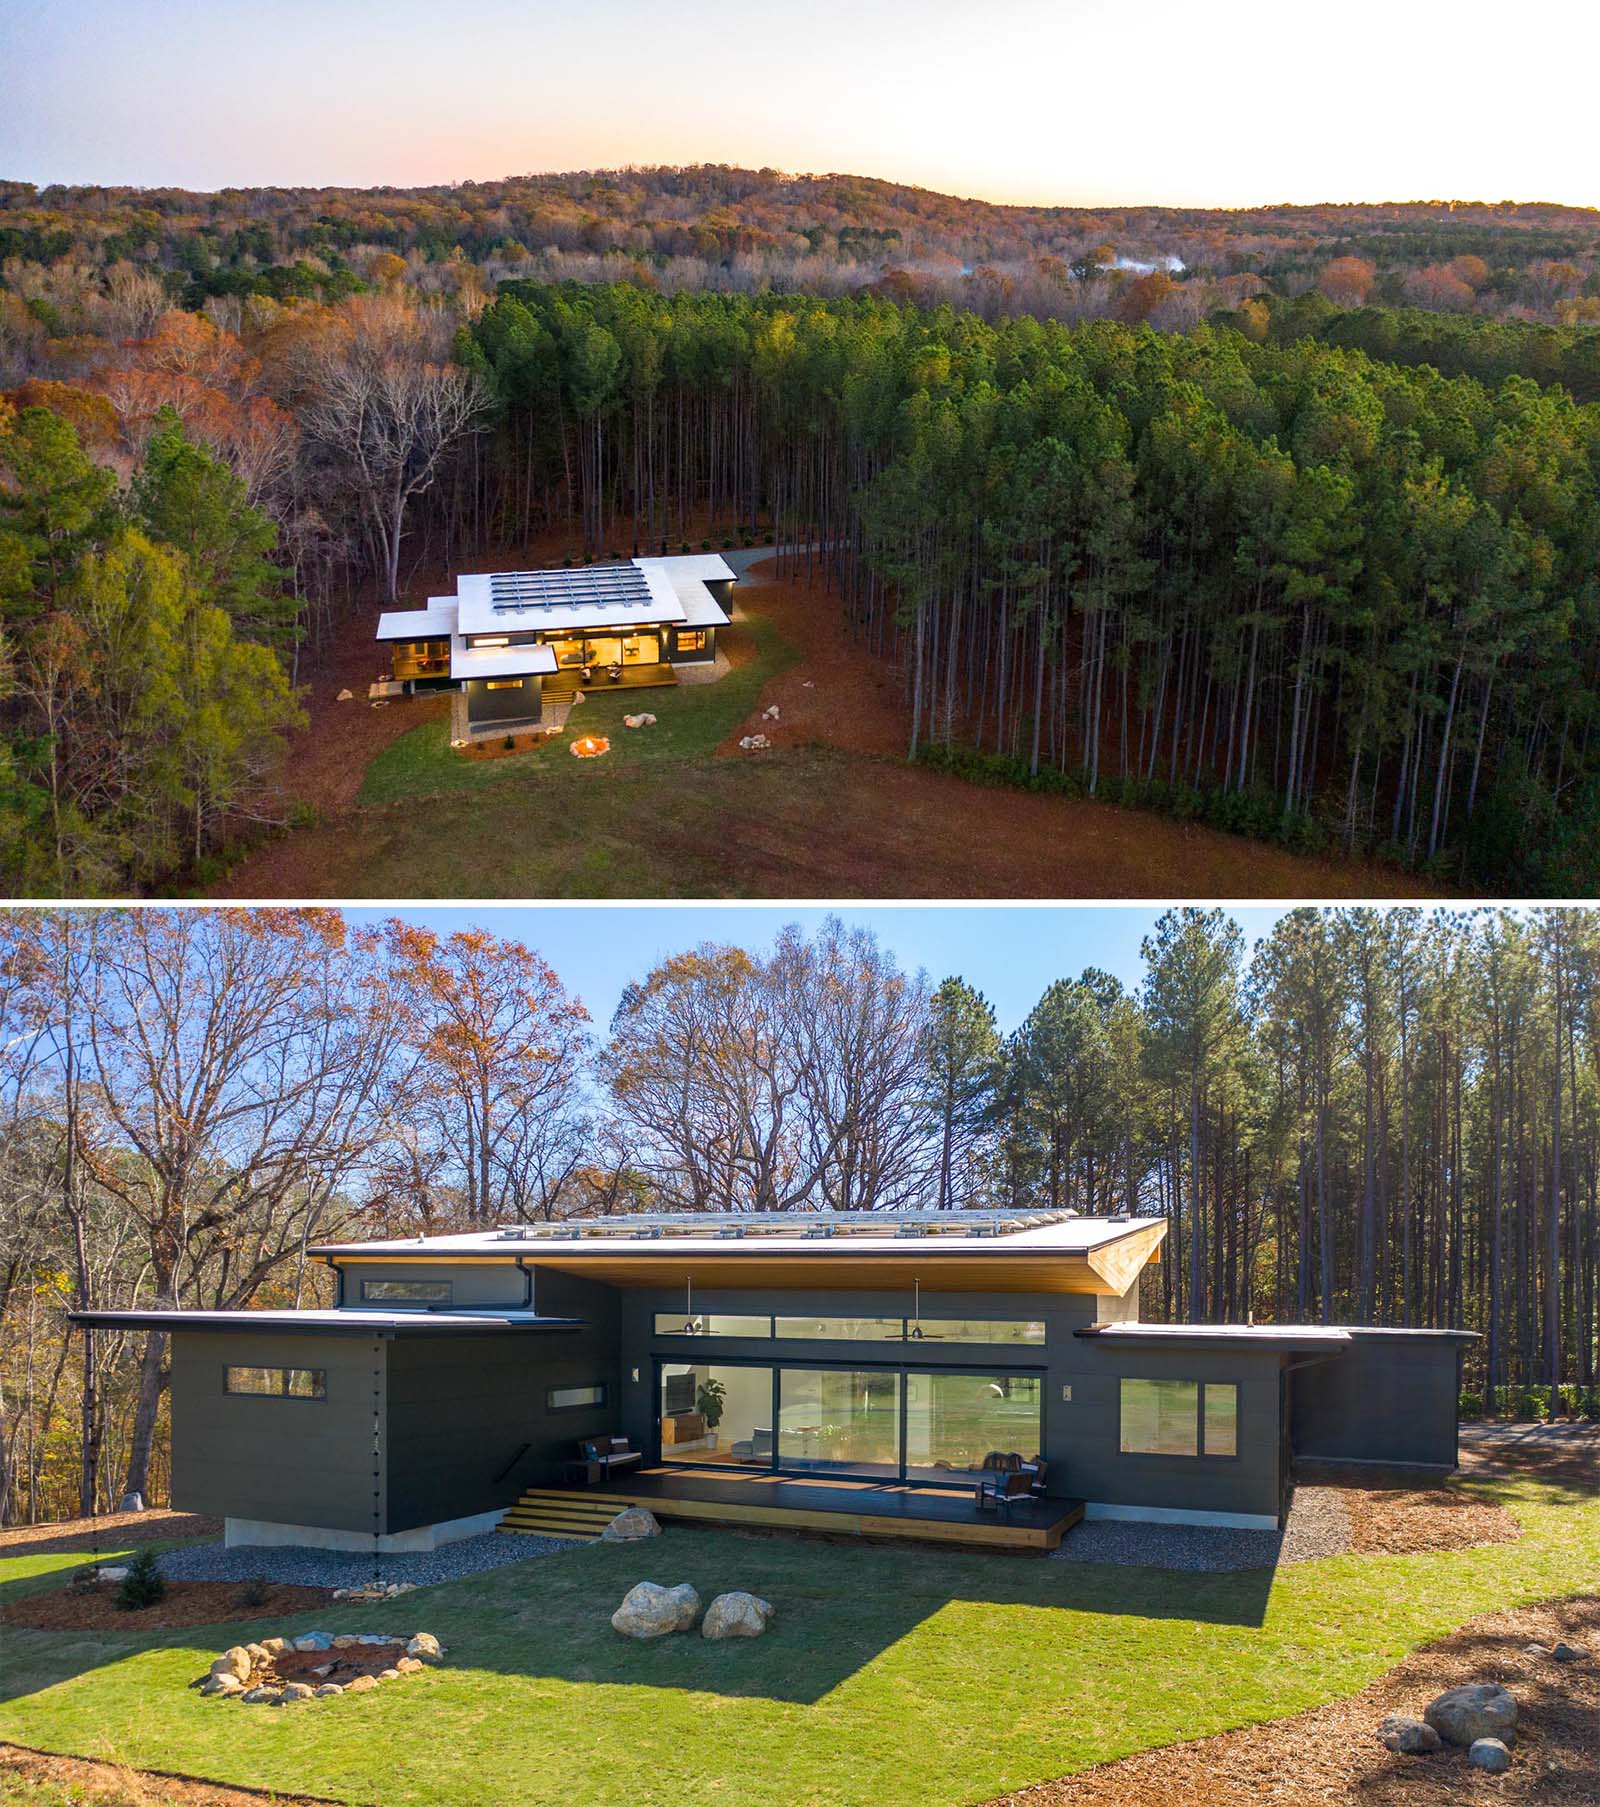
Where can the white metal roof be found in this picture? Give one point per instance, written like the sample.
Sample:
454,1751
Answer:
701,567
436,622
653,604
499,661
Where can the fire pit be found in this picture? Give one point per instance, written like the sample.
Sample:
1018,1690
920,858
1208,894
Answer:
590,746
316,1665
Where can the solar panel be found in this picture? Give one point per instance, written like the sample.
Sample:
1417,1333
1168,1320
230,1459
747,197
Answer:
647,1225
605,586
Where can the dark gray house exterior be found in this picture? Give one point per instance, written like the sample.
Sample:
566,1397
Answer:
907,1356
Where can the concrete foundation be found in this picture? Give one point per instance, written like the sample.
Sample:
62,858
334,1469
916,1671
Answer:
264,1534
1177,1515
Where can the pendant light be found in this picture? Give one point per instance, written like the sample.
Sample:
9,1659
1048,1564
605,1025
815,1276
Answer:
688,1306
916,1311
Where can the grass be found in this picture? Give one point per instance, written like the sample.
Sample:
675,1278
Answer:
892,1677
692,719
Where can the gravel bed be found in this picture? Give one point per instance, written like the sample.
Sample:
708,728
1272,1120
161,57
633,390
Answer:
345,1568
1318,1526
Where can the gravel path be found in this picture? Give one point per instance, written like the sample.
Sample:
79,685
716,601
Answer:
344,1568
1318,1526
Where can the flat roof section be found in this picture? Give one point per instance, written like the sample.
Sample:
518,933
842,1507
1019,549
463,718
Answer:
344,1321
436,622
499,661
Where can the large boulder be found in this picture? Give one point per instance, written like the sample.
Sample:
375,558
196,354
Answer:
1478,1710
315,1640
426,1648
1569,1653
222,1684
235,1662
295,1691
1411,1737
260,1697
652,1611
363,1684
1489,1754
736,1615
631,1524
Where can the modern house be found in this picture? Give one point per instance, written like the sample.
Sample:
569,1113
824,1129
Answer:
514,639
858,1371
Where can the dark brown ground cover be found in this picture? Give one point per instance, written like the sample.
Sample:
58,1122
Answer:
112,1531
37,1777
184,1603
1398,1521
1330,1757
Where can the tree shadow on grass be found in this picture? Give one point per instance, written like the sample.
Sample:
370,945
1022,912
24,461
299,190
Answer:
841,1605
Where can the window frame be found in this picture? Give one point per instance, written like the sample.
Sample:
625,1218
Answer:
231,1392
602,1387
1200,1453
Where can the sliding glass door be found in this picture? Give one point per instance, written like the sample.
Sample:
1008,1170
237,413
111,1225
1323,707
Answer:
889,1423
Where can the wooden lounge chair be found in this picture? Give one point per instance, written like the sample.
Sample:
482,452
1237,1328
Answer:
1003,1487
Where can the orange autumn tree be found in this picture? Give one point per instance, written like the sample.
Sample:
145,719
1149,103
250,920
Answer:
501,1056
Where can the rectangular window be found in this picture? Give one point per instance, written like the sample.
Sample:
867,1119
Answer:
843,1330
503,684
691,640
717,1323
1180,1418
278,1383
405,1292
1160,1417
834,1420
978,1330
571,1399
1221,1420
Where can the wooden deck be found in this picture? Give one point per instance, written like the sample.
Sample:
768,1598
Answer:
564,682
788,1502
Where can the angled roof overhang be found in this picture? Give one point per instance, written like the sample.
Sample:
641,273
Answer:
345,1321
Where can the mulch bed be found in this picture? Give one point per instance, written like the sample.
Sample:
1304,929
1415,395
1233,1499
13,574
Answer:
1398,1521
1330,1757
83,1533
341,1666
184,1603
115,1785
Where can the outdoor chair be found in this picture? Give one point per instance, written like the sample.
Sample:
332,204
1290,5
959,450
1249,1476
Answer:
757,1447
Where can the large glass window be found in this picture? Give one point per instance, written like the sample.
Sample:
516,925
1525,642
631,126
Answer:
844,1330
715,1413
717,1323
278,1383
839,1420
978,1330
1180,1418
954,1421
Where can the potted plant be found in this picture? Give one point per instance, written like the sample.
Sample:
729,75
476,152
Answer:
710,1402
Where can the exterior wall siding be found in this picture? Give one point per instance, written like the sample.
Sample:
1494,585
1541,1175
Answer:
293,1461
523,702
1388,1400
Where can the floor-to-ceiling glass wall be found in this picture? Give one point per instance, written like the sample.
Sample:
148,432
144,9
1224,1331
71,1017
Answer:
954,1421
716,1412
839,1420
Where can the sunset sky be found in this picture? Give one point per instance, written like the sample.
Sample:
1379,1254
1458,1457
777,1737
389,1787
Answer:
1054,101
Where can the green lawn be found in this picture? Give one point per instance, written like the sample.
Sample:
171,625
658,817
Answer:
692,719
891,1677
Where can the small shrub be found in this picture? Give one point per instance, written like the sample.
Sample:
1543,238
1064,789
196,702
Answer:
705,545
304,815
142,1585
510,743
255,1593
1469,1405
686,546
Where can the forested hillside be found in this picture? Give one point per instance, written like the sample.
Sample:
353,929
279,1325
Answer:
1378,1116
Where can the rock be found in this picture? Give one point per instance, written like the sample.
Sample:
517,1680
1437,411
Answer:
408,1665
1569,1653
737,1615
111,1575
257,1653
808,685
262,1696
388,1675
373,1638
647,721
344,1640
363,1684
652,1611
771,714
1489,1754
295,1691
1479,1710
315,1640
131,1502
328,1688
380,704
345,696
1411,1737
425,1647
274,1646
633,721
753,743
323,1669
235,1662
631,1524
1536,1650
578,697
222,1684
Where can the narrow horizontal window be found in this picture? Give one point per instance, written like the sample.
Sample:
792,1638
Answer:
1160,1417
978,1330
691,640
720,1323
844,1330
405,1292
278,1383
503,684
570,1399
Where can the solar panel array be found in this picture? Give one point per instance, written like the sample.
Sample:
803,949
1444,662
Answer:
647,1226
604,586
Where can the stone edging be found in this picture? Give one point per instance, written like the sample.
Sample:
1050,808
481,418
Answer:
247,1671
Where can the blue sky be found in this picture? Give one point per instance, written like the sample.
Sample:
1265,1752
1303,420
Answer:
1010,954
1047,101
